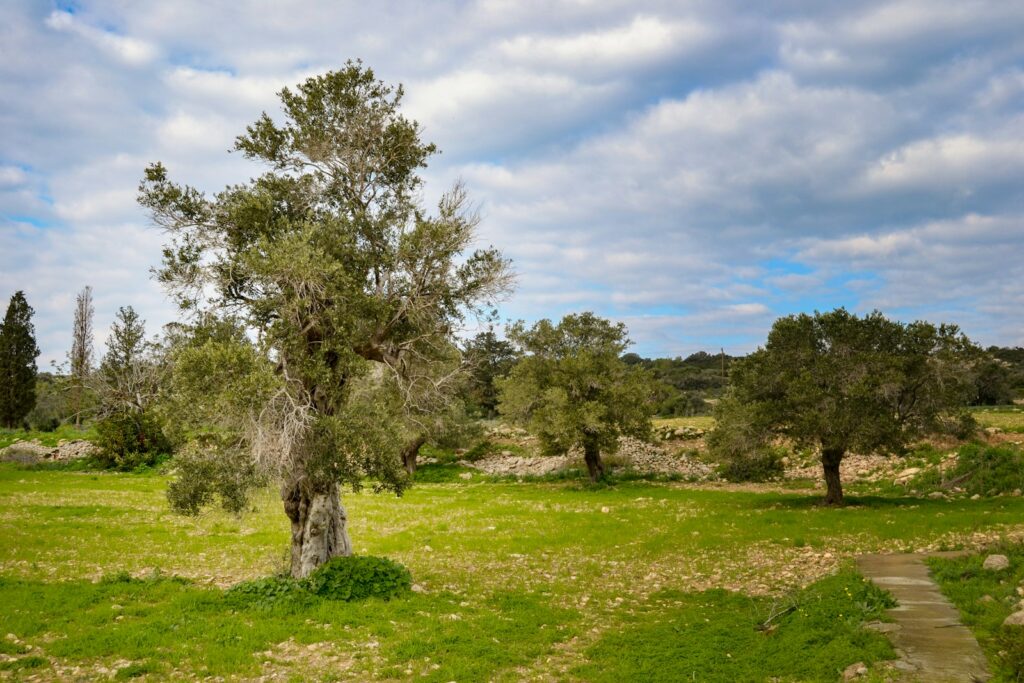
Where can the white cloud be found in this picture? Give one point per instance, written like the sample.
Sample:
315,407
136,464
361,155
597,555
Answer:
127,49
644,40
632,157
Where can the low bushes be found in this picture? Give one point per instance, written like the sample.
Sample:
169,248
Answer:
980,469
762,464
130,440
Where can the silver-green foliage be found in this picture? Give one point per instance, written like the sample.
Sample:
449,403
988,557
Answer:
343,281
571,388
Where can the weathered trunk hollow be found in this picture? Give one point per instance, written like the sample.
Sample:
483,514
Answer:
319,526
830,459
592,456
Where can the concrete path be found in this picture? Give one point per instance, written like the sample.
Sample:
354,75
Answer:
932,643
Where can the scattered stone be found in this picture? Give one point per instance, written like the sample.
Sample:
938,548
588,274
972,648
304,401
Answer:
416,588
976,496
907,474
986,599
1015,619
854,671
606,510
996,563
33,451
465,475
937,495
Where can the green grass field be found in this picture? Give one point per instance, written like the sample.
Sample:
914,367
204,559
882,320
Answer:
514,581
1007,418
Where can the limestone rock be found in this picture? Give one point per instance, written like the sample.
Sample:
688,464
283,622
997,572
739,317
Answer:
1015,619
996,563
854,671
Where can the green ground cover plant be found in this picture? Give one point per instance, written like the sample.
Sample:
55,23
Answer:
985,598
511,580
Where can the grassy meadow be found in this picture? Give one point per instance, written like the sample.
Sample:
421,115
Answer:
513,581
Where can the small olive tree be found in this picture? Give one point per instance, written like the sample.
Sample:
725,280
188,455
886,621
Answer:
340,277
571,389
839,382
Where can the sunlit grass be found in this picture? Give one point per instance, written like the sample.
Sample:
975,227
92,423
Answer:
545,569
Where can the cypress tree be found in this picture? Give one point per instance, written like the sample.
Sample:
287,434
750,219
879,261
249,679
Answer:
18,352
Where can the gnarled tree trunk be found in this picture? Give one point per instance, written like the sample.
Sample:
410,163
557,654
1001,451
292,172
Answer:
318,525
592,456
410,452
830,459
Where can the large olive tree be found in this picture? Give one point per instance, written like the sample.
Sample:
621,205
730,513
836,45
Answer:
571,388
344,283
839,382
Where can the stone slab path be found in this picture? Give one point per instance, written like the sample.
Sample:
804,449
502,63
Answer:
932,643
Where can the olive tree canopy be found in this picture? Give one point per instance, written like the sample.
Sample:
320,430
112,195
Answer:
571,388
839,383
344,283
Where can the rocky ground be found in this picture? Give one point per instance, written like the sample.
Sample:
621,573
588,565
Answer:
680,451
34,451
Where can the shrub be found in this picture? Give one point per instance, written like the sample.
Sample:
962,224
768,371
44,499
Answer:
129,440
480,451
960,426
762,464
359,577
989,470
979,469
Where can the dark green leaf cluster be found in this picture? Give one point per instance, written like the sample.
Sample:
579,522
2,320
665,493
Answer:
840,382
359,577
571,388
488,358
761,464
18,353
347,579
130,439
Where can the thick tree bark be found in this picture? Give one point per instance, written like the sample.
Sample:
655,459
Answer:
319,525
592,456
410,452
830,459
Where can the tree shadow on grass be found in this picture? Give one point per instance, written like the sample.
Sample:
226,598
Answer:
868,502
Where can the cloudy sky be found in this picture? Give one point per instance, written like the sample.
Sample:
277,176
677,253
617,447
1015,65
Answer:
694,169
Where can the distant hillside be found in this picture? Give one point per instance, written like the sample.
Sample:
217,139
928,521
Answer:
688,383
